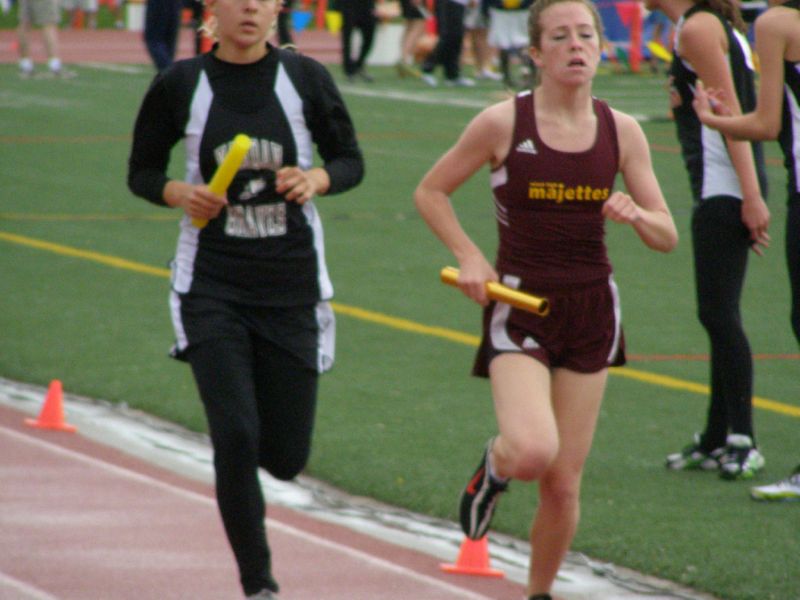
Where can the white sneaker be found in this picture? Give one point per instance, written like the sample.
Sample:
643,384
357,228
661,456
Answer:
430,79
741,460
488,75
460,82
693,457
26,68
786,490
264,594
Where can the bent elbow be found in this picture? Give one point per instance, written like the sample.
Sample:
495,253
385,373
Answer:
669,243
420,198
772,131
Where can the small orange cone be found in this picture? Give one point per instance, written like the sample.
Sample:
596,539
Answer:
52,415
473,559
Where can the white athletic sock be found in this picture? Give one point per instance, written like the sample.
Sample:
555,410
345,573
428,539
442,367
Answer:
26,65
490,468
54,64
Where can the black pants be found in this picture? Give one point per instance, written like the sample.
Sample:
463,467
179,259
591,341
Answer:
721,245
357,14
260,403
161,24
450,21
793,262
285,23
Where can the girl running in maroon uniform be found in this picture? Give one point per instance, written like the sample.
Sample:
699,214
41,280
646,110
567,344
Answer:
554,155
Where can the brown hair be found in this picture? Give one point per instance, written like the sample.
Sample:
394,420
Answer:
539,6
728,9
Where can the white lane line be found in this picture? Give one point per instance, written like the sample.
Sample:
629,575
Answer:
288,529
21,590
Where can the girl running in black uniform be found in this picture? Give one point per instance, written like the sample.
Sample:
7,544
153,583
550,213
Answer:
554,154
776,115
728,180
250,290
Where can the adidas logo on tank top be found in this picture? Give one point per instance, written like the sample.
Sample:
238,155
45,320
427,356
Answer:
526,147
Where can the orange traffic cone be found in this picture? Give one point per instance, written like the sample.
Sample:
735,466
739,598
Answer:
473,559
52,415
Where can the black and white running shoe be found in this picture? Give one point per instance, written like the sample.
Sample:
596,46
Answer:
479,498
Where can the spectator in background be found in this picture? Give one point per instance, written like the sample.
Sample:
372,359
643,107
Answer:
81,13
447,53
162,23
476,25
777,114
117,8
357,15
197,9
750,10
44,14
729,218
508,32
656,29
414,14
285,24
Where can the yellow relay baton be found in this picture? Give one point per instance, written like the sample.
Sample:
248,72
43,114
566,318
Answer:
659,51
227,170
503,293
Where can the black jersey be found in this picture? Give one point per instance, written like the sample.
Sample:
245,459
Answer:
704,150
261,249
790,130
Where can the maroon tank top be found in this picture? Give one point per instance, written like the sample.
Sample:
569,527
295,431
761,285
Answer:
548,203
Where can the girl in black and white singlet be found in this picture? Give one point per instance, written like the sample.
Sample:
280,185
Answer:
789,139
729,218
250,290
262,250
704,151
777,38
777,114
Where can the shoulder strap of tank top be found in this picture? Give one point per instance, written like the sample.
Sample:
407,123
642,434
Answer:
606,125
524,120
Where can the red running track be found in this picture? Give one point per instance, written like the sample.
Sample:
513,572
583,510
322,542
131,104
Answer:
80,520
127,47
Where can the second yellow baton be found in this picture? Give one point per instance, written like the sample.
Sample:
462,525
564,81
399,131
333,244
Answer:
227,170
503,293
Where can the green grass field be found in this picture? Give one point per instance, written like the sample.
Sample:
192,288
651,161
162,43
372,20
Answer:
84,289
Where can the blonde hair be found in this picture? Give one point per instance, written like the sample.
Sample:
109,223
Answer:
539,6
209,27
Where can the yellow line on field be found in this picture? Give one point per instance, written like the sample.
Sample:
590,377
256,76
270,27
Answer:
699,388
389,321
405,324
90,217
105,259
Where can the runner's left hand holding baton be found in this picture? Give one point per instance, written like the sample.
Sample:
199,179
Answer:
227,170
